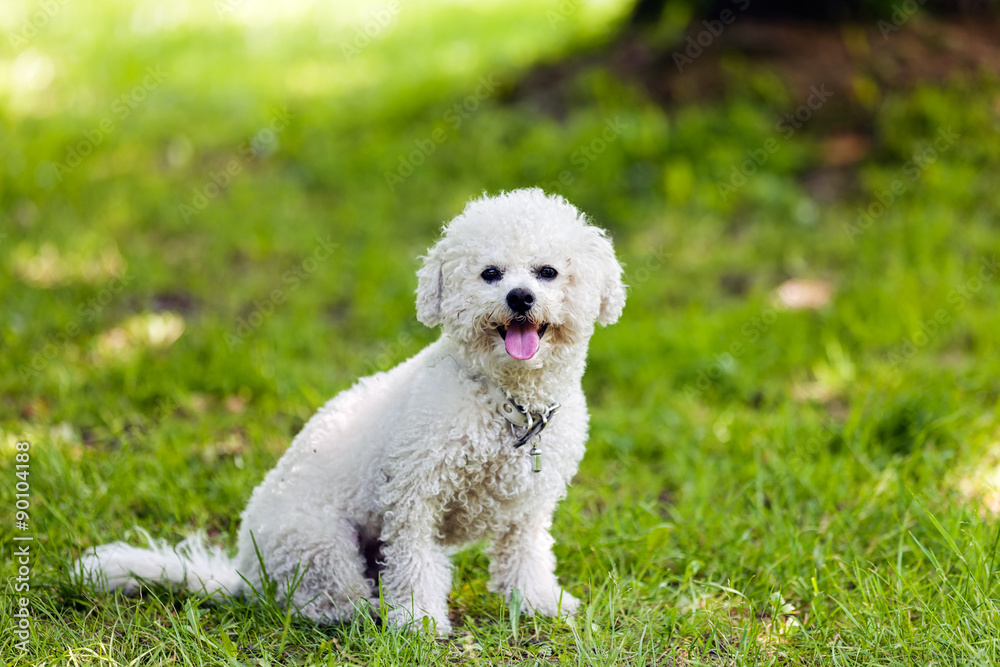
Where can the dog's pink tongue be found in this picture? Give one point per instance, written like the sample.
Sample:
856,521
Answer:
522,340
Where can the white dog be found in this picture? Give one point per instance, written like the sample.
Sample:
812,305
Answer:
411,464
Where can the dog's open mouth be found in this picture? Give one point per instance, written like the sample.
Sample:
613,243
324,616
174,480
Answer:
521,337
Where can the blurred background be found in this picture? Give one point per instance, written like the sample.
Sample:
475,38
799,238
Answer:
211,214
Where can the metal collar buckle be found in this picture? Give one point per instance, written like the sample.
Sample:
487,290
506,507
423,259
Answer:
533,424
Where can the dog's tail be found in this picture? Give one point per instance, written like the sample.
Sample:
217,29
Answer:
191,565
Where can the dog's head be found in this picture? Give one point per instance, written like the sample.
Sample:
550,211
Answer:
519,277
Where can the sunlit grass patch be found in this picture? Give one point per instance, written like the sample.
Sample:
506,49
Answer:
793,426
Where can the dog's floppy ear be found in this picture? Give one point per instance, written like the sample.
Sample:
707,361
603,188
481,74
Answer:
611,285
430,283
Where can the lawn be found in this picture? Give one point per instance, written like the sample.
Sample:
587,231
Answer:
210,219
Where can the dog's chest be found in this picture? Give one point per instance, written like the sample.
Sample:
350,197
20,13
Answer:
485,492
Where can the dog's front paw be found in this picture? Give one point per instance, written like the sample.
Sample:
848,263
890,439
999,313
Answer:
559,603
567,604
421,621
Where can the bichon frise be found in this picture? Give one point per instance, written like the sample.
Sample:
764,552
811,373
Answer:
475,437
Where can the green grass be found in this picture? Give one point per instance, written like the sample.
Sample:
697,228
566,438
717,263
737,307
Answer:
825,494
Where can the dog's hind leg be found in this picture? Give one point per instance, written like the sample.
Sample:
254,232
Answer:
322,568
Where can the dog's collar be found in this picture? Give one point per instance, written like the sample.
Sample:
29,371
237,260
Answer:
530,424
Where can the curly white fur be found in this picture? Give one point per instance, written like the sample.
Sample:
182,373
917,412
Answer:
393,474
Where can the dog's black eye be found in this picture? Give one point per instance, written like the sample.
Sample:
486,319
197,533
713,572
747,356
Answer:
491,274
547,273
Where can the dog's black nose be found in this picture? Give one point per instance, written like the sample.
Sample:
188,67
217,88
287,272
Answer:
520,300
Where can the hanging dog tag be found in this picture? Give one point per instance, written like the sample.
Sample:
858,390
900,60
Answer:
536,459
